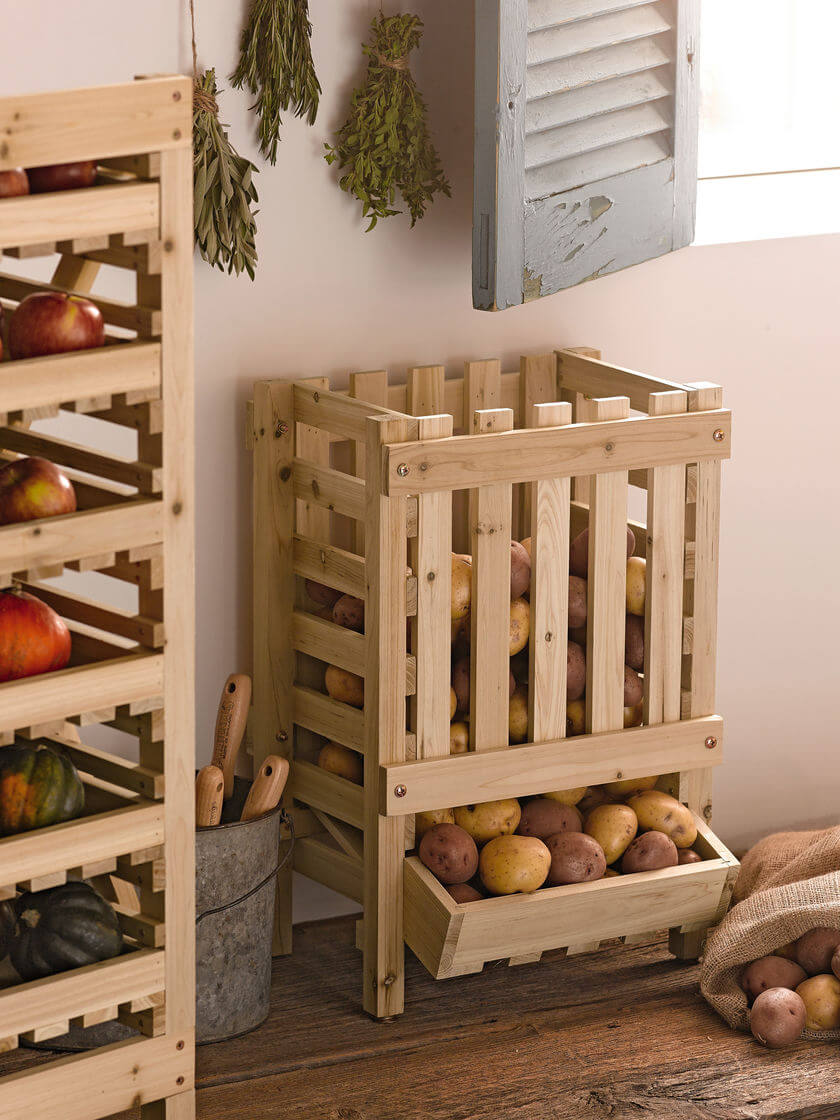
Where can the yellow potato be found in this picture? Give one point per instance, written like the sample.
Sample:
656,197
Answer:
821,996
575,717
567,796
614,827
459,737
345,686
424,821
518,715
453,703
659,812
520,625
461,588
636,566
489,819
342,761
633,716
508,864
628,787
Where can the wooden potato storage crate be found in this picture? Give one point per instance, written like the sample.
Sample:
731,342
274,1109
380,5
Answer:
370,492
130,679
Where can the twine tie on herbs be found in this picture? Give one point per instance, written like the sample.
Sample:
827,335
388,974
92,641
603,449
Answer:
392,63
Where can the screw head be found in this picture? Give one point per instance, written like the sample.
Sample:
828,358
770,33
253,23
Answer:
711,743
282,736
281,429
719,435
400,791
609,447
403,469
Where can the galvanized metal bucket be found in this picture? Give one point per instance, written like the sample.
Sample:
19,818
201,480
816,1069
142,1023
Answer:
236,863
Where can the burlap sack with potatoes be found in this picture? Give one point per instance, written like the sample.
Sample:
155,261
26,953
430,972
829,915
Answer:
788,883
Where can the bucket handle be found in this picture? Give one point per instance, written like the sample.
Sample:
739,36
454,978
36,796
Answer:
286,819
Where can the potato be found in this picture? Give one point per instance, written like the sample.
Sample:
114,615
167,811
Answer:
461,587
634,642
459,737
519,667
614,827
320,593
460,628
544,817
649,852
579,552
449,853
514,863
575,718
787,951
778,1017
577,602
633,716
659,812
636,566
526,544
575,671
771,972
461,683
578,634
424,821
575,858
464,892
815,949
345,686
611,873
349,611
567,796
342,761
821,996
633,688
593,797
520,625
835,963
520,570
688,855
453,703
489,819
518,715
628,787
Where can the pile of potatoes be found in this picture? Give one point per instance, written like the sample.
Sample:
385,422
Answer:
567,836
796,988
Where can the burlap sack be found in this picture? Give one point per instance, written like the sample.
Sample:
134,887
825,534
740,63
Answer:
789,883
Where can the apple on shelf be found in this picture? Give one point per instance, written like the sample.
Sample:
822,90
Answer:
54,323
32,488
13,182
62,176
33,638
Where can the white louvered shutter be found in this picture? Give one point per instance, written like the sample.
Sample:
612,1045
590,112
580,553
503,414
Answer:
586,141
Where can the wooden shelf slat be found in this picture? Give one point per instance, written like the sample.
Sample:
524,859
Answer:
39,219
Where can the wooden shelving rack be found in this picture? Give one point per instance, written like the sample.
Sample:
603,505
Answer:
131,670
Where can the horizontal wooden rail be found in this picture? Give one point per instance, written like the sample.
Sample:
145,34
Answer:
64,378
336,645
328,792
529,455
327,865
147,477
145,320
343,416
28,855
595,378
56,998
435,783
339,492
111,768
40,219
330,718
330,565
137,628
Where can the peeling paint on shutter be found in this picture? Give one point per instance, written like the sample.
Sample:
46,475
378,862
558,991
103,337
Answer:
585,142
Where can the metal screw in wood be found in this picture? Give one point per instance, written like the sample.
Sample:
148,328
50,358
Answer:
403,469
719,435
711,743
400,791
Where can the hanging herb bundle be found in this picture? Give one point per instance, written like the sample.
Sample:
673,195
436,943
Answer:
384,146
275,64
223,188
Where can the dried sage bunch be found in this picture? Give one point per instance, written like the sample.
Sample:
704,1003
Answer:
223,188
275,64
384,145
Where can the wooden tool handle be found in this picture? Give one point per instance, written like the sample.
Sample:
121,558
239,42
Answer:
209,790
268,787
230,725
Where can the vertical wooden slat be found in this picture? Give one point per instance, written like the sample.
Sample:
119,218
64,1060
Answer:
580,486
425,391
537,385
490,518
314,444
549,592
664,589
370,386
482,389
607,582
385,615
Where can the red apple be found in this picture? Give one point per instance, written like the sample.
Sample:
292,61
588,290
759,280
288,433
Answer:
53,323
33,638
13,182
32,488
62,176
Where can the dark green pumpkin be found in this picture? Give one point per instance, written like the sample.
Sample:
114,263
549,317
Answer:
38,787
8,921
61,928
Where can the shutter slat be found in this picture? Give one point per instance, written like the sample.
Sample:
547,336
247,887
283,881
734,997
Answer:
549,13
599,132
595,66
592,101
583,170
555,43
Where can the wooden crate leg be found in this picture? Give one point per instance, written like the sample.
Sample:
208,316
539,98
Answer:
686,946
180,1107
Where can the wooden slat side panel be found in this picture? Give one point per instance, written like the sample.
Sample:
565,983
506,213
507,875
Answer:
595,378
330,565
46,218
327,792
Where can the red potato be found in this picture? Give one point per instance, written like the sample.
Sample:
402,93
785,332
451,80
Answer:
575,671
321,594
688,855
543,817
835,963
520,570
579,552
771,972
816,948
575,858
461,683
464,892
778,1017
348,611
634,642
577,602
633,688
449,853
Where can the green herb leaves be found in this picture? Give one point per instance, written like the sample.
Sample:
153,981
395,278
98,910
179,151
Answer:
384,146
275,64
223,188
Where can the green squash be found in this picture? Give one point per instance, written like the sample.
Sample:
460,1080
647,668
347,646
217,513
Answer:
38,787
61,928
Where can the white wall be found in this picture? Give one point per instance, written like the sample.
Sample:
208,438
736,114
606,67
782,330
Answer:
760,318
